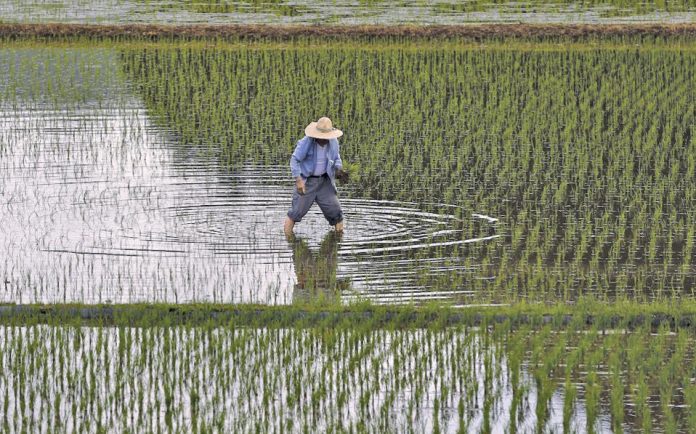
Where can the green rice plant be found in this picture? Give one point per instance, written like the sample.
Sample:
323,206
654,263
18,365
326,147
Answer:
189,387
690,398
584,152
616,391
568,403
363,12
556,158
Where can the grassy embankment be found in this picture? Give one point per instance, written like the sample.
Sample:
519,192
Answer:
629,315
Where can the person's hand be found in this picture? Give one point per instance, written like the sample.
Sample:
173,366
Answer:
342,175
300,184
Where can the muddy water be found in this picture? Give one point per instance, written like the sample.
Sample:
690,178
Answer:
101,205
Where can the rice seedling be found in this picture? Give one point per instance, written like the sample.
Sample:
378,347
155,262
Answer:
358,375
344,11
587,153
545,173
112,137
600,232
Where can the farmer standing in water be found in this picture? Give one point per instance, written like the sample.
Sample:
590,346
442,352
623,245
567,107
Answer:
315,164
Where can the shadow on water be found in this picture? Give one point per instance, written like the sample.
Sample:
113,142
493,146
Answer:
316,270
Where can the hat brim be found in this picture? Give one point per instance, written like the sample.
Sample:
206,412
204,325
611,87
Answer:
312,131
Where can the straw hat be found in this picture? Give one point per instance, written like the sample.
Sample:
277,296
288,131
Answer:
323,129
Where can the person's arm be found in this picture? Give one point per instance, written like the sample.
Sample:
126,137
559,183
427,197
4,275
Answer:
297,156
341,175
338,163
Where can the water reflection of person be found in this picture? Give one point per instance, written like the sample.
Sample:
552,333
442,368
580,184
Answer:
316,271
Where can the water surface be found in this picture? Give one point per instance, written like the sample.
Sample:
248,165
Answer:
346,12
100,204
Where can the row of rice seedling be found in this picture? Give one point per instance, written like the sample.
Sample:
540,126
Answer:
611,8
585,153
347,12
619,7
116,198
605,210
351,378
37,76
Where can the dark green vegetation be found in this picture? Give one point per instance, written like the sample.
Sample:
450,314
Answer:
585,153
585,314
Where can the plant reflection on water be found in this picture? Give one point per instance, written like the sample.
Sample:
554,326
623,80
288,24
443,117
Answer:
316,270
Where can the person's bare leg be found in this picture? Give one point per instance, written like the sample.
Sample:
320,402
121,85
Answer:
339,226
288,226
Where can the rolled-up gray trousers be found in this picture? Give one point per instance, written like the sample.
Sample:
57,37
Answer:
323,192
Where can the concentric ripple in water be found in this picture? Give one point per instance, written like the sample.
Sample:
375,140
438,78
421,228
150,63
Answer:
102,205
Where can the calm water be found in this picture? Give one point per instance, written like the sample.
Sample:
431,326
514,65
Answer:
342,12
99,204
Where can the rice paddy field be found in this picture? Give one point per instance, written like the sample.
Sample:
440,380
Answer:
348,12
520,222
245,370
487,173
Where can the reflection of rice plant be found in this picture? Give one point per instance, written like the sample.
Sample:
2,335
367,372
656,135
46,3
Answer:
587,153
594,194
360,12
351,374
616,383
588,186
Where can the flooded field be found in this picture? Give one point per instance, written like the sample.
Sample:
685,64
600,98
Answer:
583,157
271,380
102,205
545,174
348,12
160,173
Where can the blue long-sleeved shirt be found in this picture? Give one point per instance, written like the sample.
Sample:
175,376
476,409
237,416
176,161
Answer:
303,158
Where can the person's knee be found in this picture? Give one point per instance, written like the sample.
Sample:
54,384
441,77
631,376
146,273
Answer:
331,208
294,216
300,206
332,212
335,217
